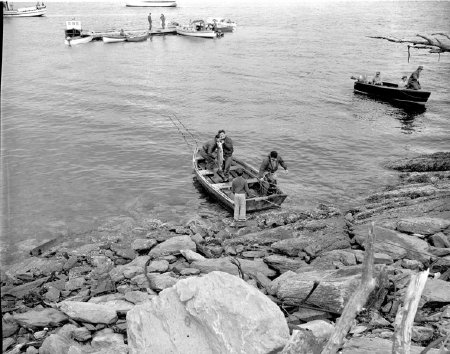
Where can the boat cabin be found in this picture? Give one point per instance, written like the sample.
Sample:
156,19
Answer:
73,29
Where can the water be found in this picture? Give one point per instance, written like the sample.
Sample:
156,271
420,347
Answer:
86,132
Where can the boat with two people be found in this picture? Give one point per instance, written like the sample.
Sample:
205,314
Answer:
260,198
151,3
390,92
198,28
74,34
221,24
32,11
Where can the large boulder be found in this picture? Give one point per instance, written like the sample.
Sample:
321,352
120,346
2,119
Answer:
422,225
439,161
216,313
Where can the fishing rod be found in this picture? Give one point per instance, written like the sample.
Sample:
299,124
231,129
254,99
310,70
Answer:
185,133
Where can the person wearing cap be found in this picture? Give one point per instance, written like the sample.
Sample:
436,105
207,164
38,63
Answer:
267,171
163,21
239,187
149,21
376,80
413,81
403,82
227,147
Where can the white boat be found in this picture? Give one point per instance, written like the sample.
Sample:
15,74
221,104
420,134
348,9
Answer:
114,38
197,29
221,24
33,11
170,28
151,3
74,34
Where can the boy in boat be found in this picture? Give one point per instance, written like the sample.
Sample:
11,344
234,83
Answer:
376,80
403,82
267,171
227,146
207,152
239,187
413,81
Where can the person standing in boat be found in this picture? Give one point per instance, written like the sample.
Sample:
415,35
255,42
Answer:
227,146
208,152
267,171
413,81
239,187
403,82
149,21
163,21
376,80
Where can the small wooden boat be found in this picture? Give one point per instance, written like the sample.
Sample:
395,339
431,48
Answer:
390,92
221,24
114,38
32,11
137,37
171,28
151,3
220,190
74,34
198,29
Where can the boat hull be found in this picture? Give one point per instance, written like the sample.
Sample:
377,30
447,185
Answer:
113,39
23,12
163,31
141,38
221,191
194,33
391,92
78,40
144,3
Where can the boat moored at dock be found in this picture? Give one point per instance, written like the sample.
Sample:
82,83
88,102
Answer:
74,34
33,11
198,29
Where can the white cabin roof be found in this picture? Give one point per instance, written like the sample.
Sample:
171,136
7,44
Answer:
73,25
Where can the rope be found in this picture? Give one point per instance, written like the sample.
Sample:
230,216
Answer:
183,132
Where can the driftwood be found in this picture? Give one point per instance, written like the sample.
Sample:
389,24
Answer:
431,42
357,301
406,313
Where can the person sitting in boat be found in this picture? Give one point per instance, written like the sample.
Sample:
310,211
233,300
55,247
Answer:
376,80
209,152
267,171
403,82
413,81
122,33
239,187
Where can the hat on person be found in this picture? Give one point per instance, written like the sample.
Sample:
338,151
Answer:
239,171
404,77
420,67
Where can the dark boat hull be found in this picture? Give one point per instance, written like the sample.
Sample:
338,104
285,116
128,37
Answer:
221,191
391,92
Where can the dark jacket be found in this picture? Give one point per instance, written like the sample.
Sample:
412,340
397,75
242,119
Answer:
268,166
227,147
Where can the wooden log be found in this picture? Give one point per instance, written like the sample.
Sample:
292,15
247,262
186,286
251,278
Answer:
357,300
406,313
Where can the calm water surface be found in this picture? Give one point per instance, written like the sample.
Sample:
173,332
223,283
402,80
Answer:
86,131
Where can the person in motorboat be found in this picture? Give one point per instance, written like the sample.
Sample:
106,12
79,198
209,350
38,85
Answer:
239,187
413,81
209,152
227,145
403,82
376,80
267,170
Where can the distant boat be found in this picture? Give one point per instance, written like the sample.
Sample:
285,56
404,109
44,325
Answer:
213,184
198,29
390,92
34,11
137,37
74,34
151,3
222,24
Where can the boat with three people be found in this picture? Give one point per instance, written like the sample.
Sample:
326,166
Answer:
198,28
222,24
259,198
151,3
74,34
32,11
390,92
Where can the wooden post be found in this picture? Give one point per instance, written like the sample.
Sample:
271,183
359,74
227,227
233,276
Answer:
406,313
357,300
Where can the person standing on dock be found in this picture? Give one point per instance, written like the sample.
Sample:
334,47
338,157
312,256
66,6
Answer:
149,21
163,21
239,187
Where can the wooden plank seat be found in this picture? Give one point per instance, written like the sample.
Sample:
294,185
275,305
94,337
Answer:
228,184
206,172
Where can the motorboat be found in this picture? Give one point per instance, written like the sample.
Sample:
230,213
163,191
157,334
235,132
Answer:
198,29
74,34
33,11
221,24
151,3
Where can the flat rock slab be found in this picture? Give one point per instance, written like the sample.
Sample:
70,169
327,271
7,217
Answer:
362,345
46,317
88,312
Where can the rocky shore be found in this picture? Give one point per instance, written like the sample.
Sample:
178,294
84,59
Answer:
277,285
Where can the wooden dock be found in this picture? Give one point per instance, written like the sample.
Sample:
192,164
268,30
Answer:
98,35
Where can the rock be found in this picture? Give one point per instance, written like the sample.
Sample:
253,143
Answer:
35,266
436,290
159,266
253,254
135,266
319,328
75,283
9,328
25,289
173,246
421,333
225,265
192,256
422,225
103,285
303,341
88,312
412,264
157,281
108,342
262,238
328,260
363,345
439,161
39,319
52,294
440,240
283,263
81,334
308,315
189,271
137,297
7,343
143,244
122,251
216,313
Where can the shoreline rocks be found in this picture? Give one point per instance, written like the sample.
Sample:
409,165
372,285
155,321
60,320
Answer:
85,298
